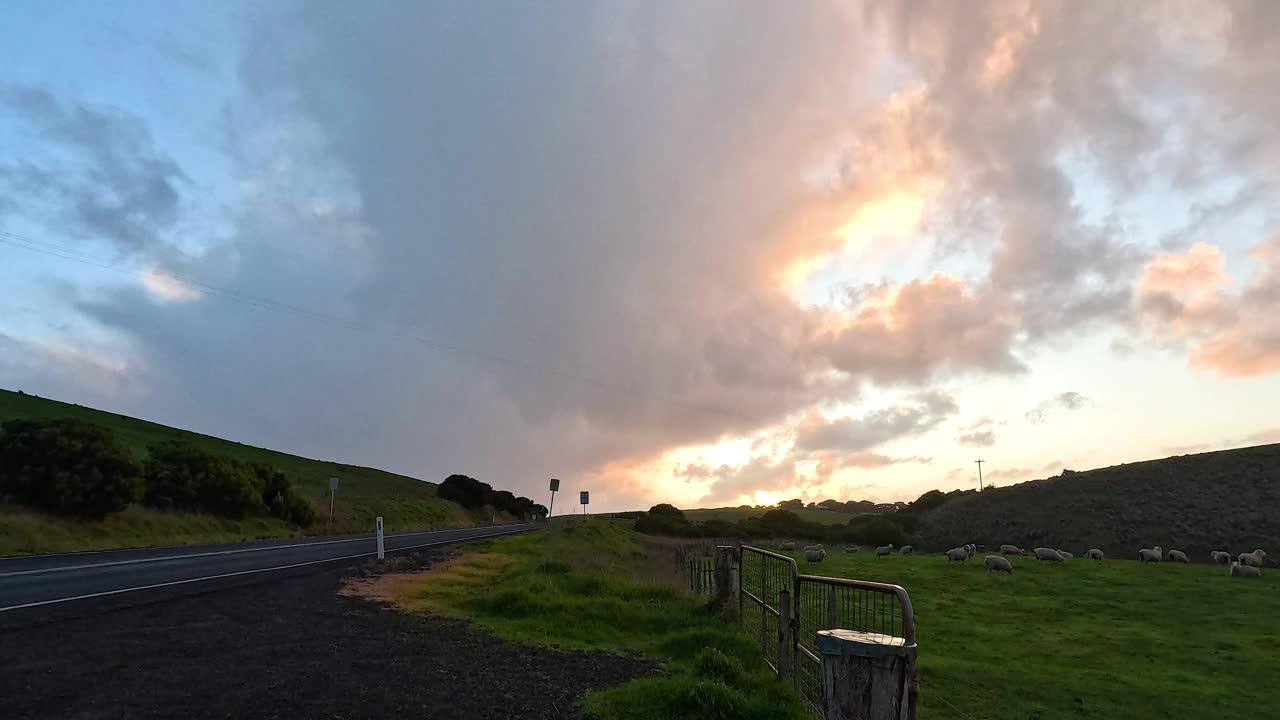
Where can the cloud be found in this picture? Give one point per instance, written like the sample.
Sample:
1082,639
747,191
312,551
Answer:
1185,449
1069,400
921,414
91,172
1265,437
979,434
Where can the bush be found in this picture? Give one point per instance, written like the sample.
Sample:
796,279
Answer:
280,499
181,476
67,466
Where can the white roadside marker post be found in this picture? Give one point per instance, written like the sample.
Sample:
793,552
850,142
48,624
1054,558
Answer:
382,552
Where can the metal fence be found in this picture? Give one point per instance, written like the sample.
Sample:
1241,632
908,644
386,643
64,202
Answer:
771,588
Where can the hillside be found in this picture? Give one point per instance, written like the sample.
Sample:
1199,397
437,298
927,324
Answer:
822,516
363,493
1225,500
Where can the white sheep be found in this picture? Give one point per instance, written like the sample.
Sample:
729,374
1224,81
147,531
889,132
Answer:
1222,557
1043,553
787,546
907,550
998,562
959,554
1257,558
1178,556
851,548
1065,555
1155,554
1011,550
971,549
883,550
1094,554
814,555
1238,570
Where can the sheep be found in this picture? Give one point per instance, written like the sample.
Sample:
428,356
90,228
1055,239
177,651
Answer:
907,550
851,548
1065,555
1238,570
998,562
1178,556
1094,554
787,546
1011,550
1043,553
1257,558
957,554
970,548
1222,557
814,555
1154,555
883,550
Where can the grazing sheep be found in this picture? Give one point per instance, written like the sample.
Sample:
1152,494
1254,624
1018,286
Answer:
1257,558
814,555
1011,550
1238,570
851,548
1094,554
971,548
1178,556
787,546
907,550
1043,553
1222,557
998,562
1065,555
883,550
957,554
1155,554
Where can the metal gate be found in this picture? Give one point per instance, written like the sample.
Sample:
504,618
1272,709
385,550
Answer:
771,587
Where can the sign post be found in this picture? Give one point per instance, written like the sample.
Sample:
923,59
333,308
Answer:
584,497
333,490
555,485
382,552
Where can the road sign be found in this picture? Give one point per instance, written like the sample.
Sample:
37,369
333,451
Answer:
333,484
555,484
584,497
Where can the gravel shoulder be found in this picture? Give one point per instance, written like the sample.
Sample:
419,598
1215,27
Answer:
284,647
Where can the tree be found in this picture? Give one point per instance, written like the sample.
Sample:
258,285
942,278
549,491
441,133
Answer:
466,491
796,504
667,509
67,466
182,476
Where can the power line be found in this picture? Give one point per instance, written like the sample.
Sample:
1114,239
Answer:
390,329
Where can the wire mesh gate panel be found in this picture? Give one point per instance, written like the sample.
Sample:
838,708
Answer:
881,613
761,576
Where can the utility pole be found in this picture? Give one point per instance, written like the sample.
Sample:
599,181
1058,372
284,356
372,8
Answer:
979,474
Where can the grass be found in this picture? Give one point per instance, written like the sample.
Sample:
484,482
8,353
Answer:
822,517
593,587
1084,639
405,503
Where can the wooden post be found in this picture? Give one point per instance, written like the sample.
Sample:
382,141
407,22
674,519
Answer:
724,575
867,676
785,641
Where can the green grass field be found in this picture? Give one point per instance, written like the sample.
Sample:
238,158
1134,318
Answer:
595,586
1085,640
822,517
363,493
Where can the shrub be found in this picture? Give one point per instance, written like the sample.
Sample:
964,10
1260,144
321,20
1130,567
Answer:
280,499
67,466
181,476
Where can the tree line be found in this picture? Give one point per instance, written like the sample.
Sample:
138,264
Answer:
473,494
72,467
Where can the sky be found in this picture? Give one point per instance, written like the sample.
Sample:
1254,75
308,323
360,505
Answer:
706,253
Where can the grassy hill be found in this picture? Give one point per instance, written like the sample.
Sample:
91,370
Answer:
1225,500
363,493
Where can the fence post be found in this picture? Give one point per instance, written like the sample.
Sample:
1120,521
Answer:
785,641
724,575
864,678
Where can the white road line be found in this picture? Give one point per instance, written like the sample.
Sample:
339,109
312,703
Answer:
135,561
244,572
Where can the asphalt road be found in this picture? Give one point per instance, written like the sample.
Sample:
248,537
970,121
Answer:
33,584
